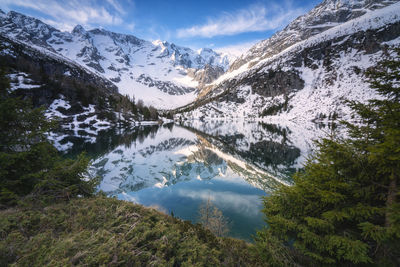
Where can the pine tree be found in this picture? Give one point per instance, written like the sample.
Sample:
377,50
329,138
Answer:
344,208
29,164
381,130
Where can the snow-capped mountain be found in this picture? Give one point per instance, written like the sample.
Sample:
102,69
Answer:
160,73
308,70
328,14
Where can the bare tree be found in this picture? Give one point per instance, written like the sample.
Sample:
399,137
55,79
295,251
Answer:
213,219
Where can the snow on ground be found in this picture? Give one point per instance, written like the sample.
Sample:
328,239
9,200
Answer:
157,73
21,80
371,20
124,62
124,72
321,95
87,128
85,125
53,111
325,92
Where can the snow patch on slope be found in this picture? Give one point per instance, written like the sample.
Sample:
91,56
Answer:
157,73
21,80
371,20
325,91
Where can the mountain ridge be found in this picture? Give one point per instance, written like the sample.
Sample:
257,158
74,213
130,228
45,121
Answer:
319,72
169,70
325,15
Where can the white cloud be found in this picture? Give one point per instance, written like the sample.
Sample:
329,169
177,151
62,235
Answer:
241,203
130,26
238,49
58,25
255,18
65,15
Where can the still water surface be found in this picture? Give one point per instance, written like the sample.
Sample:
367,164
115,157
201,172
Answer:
176,168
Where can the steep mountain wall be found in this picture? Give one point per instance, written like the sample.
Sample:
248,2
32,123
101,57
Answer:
310,80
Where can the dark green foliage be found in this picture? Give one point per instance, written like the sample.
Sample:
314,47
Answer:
80,88
169,115
149,113
344,207
277,108
270,249
146,113
18,121
29,164
108,232
125,104
272,110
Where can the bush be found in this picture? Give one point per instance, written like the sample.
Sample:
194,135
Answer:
103,231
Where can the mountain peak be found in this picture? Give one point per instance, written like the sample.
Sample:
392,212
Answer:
327,14
159,41
78,30
357,7
205,50
162,44
160,73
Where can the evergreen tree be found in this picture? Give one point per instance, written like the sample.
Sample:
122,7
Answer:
344,207
153,113
146,113
29,164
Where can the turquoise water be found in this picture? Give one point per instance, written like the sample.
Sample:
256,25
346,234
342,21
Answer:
239,202
177,168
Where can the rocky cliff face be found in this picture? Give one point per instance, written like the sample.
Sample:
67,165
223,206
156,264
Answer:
156,72
310,79
207,75
328,14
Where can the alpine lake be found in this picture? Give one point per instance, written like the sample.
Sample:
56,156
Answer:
175,168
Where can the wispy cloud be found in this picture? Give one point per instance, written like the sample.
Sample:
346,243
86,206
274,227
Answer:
241,203
255,18
65,15
130,26
236,49
117,6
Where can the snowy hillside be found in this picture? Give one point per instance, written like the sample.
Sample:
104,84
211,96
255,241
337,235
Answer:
310,80
328,14
160,73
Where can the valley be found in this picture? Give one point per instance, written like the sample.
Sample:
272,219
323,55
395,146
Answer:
287,152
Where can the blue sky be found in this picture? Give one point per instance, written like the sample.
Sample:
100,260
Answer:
226,25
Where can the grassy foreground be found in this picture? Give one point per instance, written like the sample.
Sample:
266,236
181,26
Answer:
106,231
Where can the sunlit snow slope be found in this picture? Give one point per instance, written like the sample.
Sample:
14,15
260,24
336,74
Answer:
312,78
160,73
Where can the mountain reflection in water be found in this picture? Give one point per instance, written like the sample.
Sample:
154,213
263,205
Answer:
176,168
